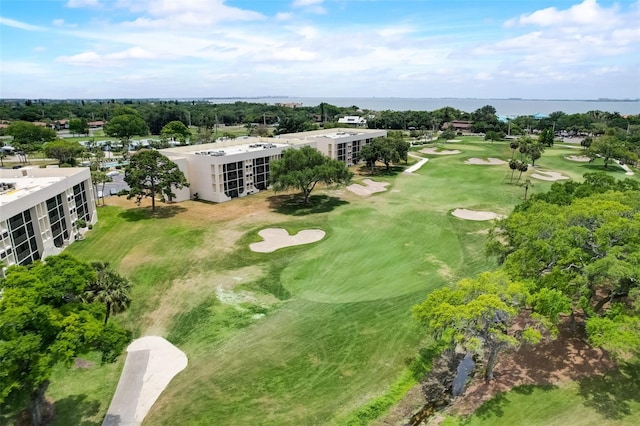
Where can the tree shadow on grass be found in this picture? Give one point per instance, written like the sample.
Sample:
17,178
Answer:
161,212
293,204
591,167
75,410
365,171
611,394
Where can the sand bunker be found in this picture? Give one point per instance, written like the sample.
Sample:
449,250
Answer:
441,152
549,176
369,187
488,162
277,238
580,158
475,215
150,365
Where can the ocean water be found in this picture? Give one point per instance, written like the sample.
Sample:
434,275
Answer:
502,106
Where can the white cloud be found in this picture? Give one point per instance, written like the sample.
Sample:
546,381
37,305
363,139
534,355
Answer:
83,3
116,59
284,16
20,25
62,24
39,49
184,14
305,3
312,6
586,13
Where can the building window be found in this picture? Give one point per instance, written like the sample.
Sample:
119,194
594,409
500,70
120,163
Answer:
59,230
233,175
261,173
23,238
342,152
355,150
82,205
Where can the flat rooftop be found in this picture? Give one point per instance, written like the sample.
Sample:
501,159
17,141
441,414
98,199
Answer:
336,133
23,186
17,183
234,146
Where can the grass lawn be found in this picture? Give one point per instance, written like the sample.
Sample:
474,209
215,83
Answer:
611,399
307,334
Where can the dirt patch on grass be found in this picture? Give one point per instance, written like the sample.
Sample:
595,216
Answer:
186,293
411,403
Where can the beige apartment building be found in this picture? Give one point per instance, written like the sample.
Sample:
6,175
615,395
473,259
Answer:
39,210
222,171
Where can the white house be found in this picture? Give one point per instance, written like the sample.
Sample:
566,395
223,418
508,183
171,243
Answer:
354,120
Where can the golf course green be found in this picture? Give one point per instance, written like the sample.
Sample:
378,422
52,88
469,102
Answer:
310,334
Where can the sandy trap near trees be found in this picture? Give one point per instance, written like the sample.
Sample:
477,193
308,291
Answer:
549,176
369,187
442,152
475,214
277,238
150,365
579,158
488,162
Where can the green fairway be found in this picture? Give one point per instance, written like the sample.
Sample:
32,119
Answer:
307,334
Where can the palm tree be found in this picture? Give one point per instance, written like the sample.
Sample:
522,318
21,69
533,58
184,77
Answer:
513,165
522,167
514,145
109,288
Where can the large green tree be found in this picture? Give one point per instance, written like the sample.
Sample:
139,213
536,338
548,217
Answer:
151,174
44,322
79,126
582,240
176,130
386,150
546,137
65,151
610,148
124,126
304,168
477,315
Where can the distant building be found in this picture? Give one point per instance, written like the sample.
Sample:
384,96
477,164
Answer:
39,210
353,120
458,126
289,104
221,171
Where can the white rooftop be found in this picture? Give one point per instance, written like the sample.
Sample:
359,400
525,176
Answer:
25,186
27,180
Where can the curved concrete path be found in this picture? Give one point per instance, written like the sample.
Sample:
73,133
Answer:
150,365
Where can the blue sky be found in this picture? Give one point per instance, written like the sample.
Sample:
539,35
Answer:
574,49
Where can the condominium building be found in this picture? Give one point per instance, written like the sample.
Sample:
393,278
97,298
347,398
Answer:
221,171
40,210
